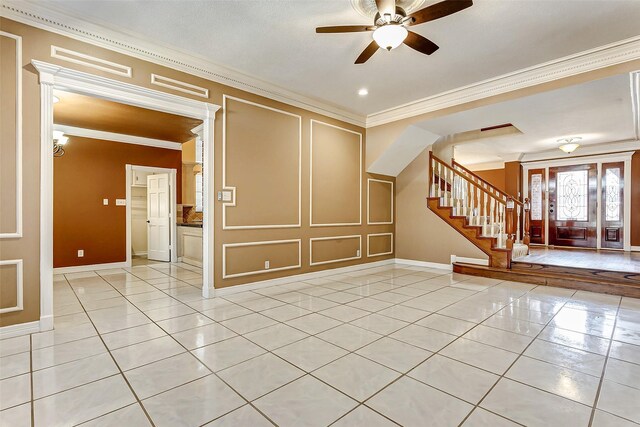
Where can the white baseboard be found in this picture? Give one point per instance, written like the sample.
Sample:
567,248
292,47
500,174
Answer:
635,248
190,261
92,267
140,254
299,277
476,261
19,329
425,264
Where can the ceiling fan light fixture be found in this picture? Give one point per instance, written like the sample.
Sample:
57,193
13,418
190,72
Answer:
390,36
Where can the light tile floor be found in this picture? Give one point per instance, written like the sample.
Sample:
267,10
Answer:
376,347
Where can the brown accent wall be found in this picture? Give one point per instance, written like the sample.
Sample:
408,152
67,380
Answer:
420,234
513,179
89,171
635,199
269,189
495,177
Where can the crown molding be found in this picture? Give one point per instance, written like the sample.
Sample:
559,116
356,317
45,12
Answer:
39,16
584,151
582,62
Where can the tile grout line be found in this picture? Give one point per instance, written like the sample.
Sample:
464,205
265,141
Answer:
604,367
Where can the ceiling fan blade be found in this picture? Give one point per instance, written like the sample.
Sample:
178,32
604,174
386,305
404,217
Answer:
420,43
438,10
345,29
367,53
386,6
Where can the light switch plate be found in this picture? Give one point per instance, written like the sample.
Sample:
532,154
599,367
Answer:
80,253
121,202
105,202
227,196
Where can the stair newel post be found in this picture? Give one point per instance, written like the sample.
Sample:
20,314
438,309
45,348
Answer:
510,223
527,224
518,214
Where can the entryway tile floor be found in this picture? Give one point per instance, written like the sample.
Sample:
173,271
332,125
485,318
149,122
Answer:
383,346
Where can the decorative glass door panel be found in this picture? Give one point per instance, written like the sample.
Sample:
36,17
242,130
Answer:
572,196
612,205
537,189
572,206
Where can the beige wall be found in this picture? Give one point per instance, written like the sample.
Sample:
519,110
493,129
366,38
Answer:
420,234
271,175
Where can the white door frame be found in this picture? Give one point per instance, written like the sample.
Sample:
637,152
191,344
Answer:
172,203
56,77
598,160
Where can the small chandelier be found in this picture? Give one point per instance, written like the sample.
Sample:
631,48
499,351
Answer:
59,140
569,145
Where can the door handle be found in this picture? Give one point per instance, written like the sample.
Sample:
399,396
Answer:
148,222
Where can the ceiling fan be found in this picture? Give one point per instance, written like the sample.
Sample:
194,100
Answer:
390,26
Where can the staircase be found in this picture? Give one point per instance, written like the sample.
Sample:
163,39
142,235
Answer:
486,216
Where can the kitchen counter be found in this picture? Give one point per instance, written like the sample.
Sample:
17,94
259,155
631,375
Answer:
190,224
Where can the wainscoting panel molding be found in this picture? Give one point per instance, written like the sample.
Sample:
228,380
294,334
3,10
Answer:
373,198
270,243
91,61
19,286
337,194
379,236
335,250
273,187
18,141
179,86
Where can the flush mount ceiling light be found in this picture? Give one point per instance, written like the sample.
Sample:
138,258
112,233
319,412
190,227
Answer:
59,140
363,92
569,145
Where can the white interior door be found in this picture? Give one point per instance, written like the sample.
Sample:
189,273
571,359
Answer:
158,211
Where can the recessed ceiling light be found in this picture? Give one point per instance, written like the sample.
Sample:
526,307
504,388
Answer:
363,92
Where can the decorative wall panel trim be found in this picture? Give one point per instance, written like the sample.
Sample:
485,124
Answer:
18,188
314,239
369,200
19,286
369,236
311,223
179,86
90,61
270,242
233,188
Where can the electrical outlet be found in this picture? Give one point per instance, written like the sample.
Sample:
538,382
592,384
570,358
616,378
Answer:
80,253
266,265
357,252
105,202
121,202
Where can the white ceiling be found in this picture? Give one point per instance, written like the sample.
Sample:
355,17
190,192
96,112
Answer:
599,112
275,41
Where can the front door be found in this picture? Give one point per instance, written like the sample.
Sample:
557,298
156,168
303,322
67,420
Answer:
573,206
158,211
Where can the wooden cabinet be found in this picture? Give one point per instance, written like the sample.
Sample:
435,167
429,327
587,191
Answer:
139,178
190,245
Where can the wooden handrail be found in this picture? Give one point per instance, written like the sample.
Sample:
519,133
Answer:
475,184
502,193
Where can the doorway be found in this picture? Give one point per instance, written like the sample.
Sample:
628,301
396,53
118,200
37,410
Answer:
573,205
581,202
151,202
